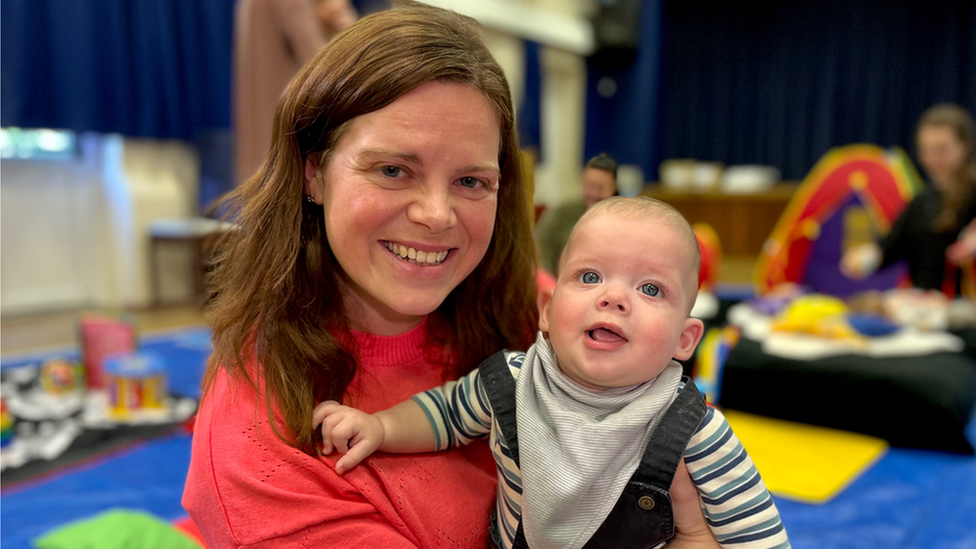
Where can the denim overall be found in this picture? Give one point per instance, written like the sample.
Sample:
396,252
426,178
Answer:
642,517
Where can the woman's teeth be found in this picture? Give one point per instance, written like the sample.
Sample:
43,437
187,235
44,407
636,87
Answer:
417,256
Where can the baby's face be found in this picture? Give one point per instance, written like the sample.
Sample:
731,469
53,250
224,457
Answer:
619,311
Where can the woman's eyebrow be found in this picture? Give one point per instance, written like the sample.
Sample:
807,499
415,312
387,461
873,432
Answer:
481,168
414,159
407,157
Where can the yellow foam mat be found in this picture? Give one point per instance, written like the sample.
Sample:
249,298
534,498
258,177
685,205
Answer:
803,462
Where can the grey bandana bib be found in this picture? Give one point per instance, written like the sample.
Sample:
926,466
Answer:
578,449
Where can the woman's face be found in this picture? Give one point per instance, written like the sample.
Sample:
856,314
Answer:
941,153
410,195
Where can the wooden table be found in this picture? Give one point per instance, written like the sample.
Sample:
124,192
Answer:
190,232
743,221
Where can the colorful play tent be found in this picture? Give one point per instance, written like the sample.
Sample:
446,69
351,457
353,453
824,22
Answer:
852,196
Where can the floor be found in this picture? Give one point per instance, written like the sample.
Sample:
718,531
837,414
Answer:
22,334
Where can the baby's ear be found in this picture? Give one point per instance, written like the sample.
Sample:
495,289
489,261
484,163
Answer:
688,341
544,301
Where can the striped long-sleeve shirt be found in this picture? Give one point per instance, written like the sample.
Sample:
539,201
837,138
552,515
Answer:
735,501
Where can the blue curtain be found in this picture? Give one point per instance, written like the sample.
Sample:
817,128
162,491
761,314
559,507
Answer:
530,111
623,99
780,83
142,68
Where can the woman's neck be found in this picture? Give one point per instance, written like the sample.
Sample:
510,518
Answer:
366,314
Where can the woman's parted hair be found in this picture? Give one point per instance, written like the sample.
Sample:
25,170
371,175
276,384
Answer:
276,284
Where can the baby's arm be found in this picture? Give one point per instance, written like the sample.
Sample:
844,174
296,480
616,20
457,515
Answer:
736,503
402,429
440,418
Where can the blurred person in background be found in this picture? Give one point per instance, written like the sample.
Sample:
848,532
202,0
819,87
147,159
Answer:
599,181
273,40
927,233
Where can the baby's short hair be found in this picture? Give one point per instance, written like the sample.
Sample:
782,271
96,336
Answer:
645,207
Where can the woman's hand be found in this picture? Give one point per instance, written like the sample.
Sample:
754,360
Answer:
964,247
349,431
861,261
690,529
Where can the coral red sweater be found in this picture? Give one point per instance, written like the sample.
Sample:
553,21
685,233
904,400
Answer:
246,488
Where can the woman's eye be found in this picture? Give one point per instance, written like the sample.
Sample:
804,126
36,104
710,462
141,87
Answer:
590,277
391,171
650,289
469,182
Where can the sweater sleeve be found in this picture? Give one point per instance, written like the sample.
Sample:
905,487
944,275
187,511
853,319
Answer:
893,245
458,411
738,507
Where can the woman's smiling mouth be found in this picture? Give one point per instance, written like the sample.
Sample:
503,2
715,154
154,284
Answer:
420,257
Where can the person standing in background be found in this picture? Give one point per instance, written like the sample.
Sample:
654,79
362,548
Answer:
273,39
599,181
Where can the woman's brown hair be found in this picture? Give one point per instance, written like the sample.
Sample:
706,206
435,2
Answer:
955,197
276,283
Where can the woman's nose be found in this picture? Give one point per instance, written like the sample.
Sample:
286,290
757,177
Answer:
433,207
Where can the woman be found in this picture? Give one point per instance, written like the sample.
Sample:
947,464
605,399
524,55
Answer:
925,232
383,248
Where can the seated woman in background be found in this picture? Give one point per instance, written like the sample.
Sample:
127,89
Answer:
926,232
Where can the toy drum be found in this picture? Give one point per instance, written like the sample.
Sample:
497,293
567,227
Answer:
134,382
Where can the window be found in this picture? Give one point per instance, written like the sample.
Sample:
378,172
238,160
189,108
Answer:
37,144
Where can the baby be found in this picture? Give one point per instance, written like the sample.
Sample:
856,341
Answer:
588,427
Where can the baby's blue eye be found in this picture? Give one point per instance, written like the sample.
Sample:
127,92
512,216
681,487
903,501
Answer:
391,171
590,277
650,289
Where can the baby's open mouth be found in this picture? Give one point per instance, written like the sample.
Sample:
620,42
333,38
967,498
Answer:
419,257
605,335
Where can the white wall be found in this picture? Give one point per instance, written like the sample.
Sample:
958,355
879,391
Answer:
46,238
73,234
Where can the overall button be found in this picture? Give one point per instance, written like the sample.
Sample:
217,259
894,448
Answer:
646,503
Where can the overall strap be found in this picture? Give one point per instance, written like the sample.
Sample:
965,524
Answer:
670,439
500,387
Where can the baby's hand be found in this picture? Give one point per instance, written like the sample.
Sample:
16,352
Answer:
350,431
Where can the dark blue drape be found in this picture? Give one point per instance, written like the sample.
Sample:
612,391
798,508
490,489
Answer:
142,68
780,83
530,111
623,123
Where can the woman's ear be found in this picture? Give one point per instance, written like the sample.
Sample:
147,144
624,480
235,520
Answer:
313,187
688,341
